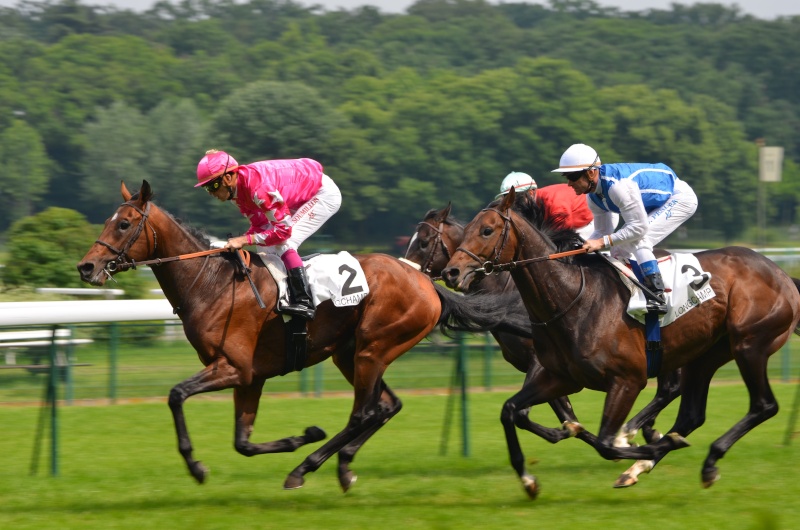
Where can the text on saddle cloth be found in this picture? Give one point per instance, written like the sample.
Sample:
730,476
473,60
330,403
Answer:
686,285
336,277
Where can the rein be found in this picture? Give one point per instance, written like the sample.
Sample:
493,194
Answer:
490,267
113,266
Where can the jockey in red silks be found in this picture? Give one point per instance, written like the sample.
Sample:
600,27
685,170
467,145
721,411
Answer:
285,200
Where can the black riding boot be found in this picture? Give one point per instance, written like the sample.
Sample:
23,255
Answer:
300,302
655,283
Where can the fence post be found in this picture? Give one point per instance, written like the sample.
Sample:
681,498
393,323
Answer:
786,356
462,371
318,380
487,360
113,342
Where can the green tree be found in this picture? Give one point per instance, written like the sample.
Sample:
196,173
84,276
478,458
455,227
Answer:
25,172
44,249
116,151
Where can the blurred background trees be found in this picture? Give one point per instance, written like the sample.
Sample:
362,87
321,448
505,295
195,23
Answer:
405,112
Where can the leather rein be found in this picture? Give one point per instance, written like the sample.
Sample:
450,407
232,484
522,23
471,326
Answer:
124,262
494,267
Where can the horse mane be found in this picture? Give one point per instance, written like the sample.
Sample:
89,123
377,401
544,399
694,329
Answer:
537,214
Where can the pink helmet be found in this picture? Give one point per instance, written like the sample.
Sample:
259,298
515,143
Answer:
214,164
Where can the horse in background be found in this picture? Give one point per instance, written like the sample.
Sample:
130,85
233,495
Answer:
242,346
595,344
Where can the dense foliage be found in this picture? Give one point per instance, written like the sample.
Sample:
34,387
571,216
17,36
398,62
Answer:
406,112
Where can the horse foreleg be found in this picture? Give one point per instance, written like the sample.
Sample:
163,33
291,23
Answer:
246,400
391,405
515,414
213,377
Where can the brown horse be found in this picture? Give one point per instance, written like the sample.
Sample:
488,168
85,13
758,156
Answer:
595,344
242,346
435,241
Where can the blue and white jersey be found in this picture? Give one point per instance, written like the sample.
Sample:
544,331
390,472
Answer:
655,181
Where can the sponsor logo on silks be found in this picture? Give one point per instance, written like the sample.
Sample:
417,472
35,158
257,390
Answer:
306,209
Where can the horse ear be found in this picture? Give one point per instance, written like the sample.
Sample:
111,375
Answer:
508,200
145,192
443,213
126,195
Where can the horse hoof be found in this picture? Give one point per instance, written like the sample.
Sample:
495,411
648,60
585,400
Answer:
573,427
314,434
625,480
710,476
678,441
531,486
199,472
347,480
293,482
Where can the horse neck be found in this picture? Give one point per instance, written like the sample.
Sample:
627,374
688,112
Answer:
546,286
182,278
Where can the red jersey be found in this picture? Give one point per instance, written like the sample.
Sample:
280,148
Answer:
566,209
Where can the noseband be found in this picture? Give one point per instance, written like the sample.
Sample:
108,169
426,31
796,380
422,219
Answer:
123,260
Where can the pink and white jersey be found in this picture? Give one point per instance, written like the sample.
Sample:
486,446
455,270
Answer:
268,192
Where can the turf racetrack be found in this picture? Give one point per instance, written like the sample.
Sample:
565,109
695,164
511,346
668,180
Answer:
119,468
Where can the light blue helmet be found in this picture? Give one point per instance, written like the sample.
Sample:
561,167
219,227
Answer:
518,181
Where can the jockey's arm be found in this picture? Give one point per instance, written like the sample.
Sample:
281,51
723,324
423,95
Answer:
628,198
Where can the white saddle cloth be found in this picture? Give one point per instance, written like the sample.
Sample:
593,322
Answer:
686,285
337,277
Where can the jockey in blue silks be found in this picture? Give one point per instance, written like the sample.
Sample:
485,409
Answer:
650,198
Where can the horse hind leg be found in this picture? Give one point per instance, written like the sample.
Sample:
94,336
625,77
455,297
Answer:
367,417
763,406
390,405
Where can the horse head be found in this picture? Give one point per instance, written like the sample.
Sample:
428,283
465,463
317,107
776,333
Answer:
488,241
127,237
435,240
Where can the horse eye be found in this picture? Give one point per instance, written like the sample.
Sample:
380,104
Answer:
487,231
124,225
423,243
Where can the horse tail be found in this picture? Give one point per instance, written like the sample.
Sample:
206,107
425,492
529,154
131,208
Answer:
482,312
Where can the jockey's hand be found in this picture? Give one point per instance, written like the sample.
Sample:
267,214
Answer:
236,242
594,245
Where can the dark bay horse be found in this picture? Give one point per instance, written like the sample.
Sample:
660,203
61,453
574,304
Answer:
242,345
435,241
595,344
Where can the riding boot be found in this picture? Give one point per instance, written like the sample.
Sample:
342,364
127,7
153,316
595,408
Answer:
300,302
655,304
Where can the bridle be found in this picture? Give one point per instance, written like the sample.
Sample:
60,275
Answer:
123,260
495,267
437,241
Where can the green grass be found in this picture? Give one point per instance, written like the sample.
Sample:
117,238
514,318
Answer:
120,469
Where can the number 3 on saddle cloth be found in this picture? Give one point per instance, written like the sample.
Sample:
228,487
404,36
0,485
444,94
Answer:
686,285
336,277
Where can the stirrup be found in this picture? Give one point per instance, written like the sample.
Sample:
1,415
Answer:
656,306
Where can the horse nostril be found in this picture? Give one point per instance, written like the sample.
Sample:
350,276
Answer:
85,269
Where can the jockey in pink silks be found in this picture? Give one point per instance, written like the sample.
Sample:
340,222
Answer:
285,200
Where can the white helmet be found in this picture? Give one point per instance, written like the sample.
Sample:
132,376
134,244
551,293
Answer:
518,181
576,158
